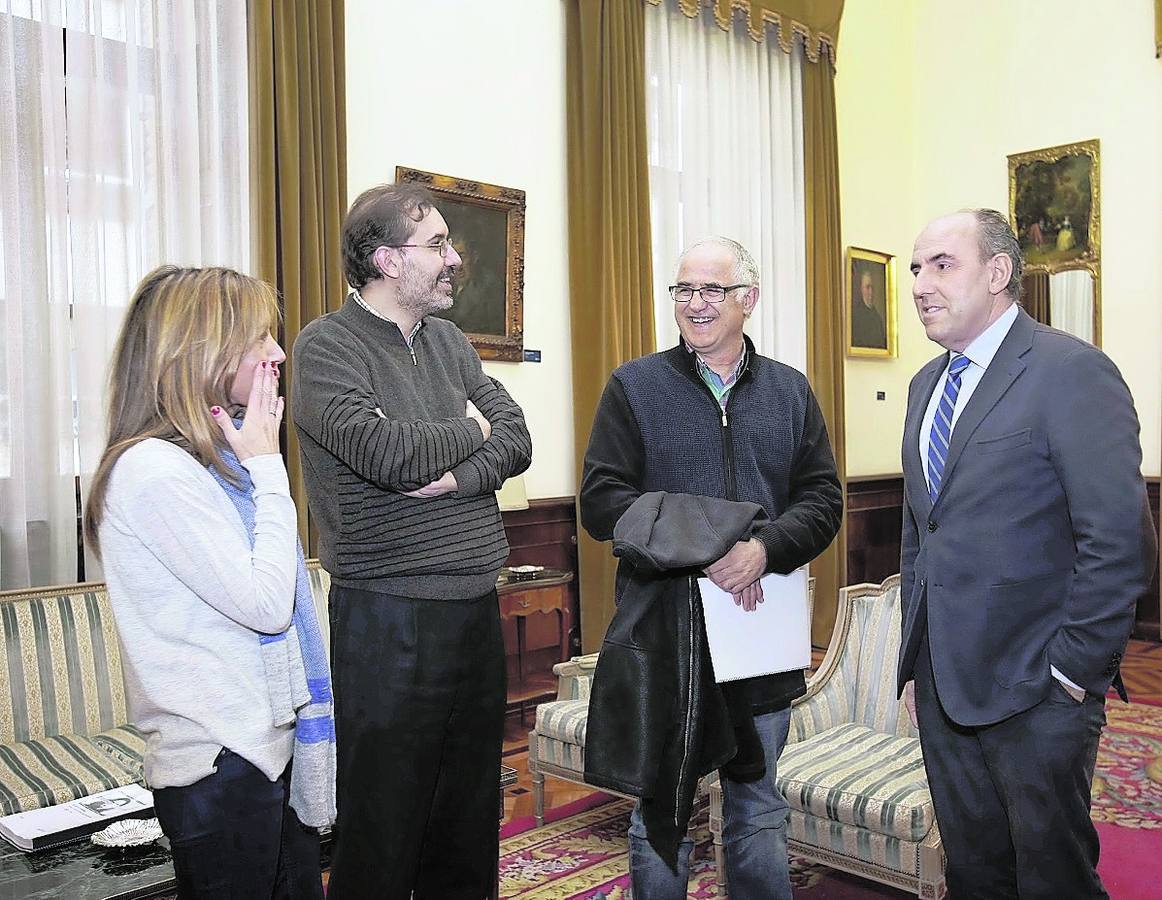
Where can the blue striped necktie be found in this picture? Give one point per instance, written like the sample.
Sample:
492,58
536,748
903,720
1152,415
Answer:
941,434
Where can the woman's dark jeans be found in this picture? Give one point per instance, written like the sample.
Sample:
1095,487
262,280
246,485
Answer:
234,837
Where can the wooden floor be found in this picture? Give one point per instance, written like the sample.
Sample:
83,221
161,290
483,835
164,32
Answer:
1141,671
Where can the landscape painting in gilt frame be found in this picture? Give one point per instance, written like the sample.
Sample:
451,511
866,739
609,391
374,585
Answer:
870,320
1054,206
486,225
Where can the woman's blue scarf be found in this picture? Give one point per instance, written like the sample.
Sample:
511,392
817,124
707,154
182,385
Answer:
297,675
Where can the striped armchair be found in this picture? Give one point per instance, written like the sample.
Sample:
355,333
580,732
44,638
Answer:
64,729
852,771
557,741
64,726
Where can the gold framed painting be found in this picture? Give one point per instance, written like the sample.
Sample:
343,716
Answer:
871,318
1055,211
1055,206
486,224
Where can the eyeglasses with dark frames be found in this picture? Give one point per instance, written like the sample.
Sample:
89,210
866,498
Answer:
711,293
442,247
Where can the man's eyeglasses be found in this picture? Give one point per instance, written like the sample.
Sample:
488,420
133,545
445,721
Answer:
442,247
711,293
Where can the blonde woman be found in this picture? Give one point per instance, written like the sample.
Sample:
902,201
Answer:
224,666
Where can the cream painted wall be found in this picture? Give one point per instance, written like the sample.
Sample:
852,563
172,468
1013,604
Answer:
477,90
873,98
960,86
931,94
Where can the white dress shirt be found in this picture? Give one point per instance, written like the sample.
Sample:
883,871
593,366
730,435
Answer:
980,354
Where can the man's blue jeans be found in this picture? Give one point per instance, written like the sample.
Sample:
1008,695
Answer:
754,835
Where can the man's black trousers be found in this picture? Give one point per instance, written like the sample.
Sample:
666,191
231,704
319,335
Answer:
1012,798
419,716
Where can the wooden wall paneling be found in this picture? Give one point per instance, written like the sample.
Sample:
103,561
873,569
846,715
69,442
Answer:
1147,619
545,534
874,510
874,507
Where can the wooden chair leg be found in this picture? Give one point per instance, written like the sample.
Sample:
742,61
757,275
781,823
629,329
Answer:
716,834
539,798
931,883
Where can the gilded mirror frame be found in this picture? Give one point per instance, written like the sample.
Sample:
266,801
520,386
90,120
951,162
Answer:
1083,157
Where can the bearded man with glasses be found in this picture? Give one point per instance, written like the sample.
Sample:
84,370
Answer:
713,419
404,440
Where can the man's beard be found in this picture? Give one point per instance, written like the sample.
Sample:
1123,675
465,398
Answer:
421,294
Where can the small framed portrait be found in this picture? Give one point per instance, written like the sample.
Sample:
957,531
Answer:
486,224
871,304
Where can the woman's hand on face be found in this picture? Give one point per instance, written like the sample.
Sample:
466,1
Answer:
260,423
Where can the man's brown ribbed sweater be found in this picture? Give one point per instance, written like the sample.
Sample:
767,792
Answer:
376,418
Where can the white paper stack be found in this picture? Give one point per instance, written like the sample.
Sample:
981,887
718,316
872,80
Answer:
775,637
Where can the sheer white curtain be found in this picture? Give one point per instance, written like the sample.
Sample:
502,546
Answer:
725,126
1071,302
123,145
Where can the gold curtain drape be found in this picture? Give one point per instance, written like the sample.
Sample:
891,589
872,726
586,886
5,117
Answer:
824,313
1035,296
814,22
298,149
1158,29
609,234
610,282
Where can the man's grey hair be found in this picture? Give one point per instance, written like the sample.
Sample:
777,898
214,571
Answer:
746,270
994,235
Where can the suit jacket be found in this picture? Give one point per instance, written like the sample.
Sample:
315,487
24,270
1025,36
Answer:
1040,542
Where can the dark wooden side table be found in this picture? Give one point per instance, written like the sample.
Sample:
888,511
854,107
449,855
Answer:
508,778
546,594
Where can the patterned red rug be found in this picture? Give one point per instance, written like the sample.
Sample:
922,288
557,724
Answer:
1127,800
581,853
584,856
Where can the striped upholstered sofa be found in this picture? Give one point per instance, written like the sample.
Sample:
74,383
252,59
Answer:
64,728
852,770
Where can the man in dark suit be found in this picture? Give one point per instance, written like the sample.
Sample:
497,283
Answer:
1026,544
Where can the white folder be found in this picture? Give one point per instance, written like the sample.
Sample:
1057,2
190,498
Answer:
775,637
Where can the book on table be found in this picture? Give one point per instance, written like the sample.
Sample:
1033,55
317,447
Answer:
51,826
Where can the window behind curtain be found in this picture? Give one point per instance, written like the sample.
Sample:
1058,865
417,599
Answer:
724,117
123,145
